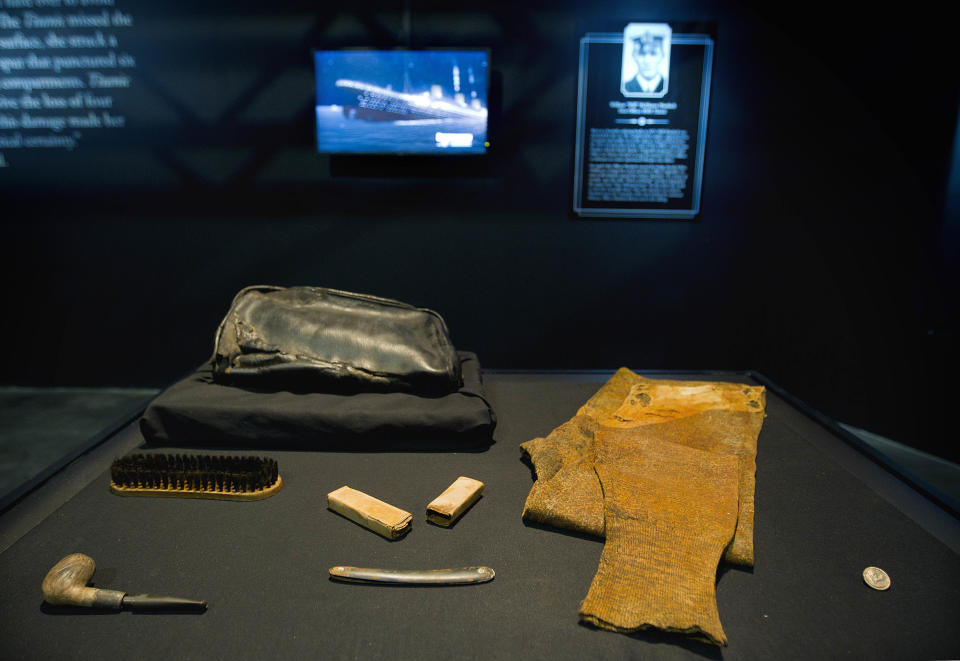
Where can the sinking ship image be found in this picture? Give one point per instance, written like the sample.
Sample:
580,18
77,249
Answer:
401,102
379,104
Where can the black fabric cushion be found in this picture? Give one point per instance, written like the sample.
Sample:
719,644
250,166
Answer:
200,412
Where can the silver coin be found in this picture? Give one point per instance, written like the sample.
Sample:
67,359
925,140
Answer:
876,578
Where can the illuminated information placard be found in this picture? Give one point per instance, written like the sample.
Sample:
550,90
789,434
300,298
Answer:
62,68
642,98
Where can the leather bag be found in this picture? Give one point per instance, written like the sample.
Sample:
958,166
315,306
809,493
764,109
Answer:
316,339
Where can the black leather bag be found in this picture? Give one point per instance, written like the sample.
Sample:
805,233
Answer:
325,340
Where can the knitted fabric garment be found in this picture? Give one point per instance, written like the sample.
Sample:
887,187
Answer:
720,417
670,511
723,418
609,398
567,492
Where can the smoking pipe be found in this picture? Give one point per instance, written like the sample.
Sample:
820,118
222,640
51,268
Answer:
66,585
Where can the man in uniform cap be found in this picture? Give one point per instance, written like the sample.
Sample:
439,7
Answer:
648,54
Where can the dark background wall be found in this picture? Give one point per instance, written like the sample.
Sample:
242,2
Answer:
818,258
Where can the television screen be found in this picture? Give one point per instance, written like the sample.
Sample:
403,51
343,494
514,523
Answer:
401,101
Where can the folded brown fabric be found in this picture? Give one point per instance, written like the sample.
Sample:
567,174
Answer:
723,418
670,511
567,493
719,417
611,395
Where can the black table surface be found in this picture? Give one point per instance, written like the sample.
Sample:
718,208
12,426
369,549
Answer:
824,512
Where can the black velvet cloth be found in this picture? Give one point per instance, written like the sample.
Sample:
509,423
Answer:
262,565
199,411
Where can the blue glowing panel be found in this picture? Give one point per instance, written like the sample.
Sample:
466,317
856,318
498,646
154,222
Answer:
401,102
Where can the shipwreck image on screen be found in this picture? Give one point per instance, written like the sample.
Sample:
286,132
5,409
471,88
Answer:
401,102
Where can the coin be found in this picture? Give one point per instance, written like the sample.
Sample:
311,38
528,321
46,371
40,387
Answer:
876,578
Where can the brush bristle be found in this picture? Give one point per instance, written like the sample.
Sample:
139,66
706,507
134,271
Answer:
194,472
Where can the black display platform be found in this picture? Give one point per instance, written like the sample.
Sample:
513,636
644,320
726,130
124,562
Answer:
823,513
197,409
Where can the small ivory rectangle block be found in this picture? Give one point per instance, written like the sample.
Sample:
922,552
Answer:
452,503
376,515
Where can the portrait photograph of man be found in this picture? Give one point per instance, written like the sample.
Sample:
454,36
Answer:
646,60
